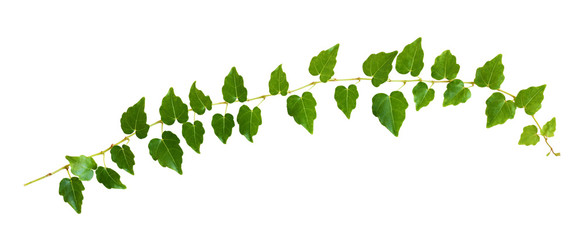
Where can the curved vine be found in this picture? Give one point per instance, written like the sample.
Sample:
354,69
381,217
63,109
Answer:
390,109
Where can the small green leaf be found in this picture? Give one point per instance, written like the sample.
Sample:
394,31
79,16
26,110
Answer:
529,136
172,108
123,157
491,74
445,66
278,83
134,119
249,121
233,87
324,63
193,134
411,59
498,110
390,110
82,166
198,100
222,126
167,151
346,98
456,93
70,189
422,95
302,109
530,99
109,178
548,130
378,66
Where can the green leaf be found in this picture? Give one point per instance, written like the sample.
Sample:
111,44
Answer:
249,120
278,83
529,136
123,157
172,108
390,110
193,134
324,63
445,66
134,119
167,151
233,87
378,66
346,98
198,100
70,189
491,74
302,109
422,95
456,93
82,166
222,126
498,110
411,59
530,99
109,178
548,130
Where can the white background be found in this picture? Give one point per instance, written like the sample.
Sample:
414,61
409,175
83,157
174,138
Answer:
68,69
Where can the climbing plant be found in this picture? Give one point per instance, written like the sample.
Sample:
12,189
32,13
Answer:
388,108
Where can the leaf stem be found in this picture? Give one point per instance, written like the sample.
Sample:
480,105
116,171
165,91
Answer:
545,137
507,93
48,174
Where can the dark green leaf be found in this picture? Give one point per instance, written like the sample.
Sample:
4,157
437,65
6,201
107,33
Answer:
390,110
134,119
422,95
324,63
82,166
109,178
278,83
445,66
198,100
193,134
346,98
222,126
548,130
498,110
123,157
411,59
167,151
233,87
302,109
530,99
172,108
249,121
378,66
70,189
456,93
491,74
529,136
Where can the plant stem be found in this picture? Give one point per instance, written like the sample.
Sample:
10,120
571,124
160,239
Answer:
48,174
545,137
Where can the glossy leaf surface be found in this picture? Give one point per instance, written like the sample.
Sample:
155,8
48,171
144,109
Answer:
498,110
167,151
123,157
390,110
378,66
71,190
530,99
529,136
549,128
278,83
109,178
193,134
410,60
198,100
82,166
322,65
491,74
456,93
423,95
346,98
249,120
233,87
222,126
173,108
302,109
445,66
134,119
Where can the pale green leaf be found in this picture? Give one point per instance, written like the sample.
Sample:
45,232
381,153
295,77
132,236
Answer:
82,166
422,95
249,120
456,93
498,110
70,189
172,108
445,66
378,66
324,63
134,119
123,157
529,136
302,109
346,98
491,74
411,59
549,128
222,126
167,151
530,99
233,87
278,83
193,134
109,178
198,100
390,110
